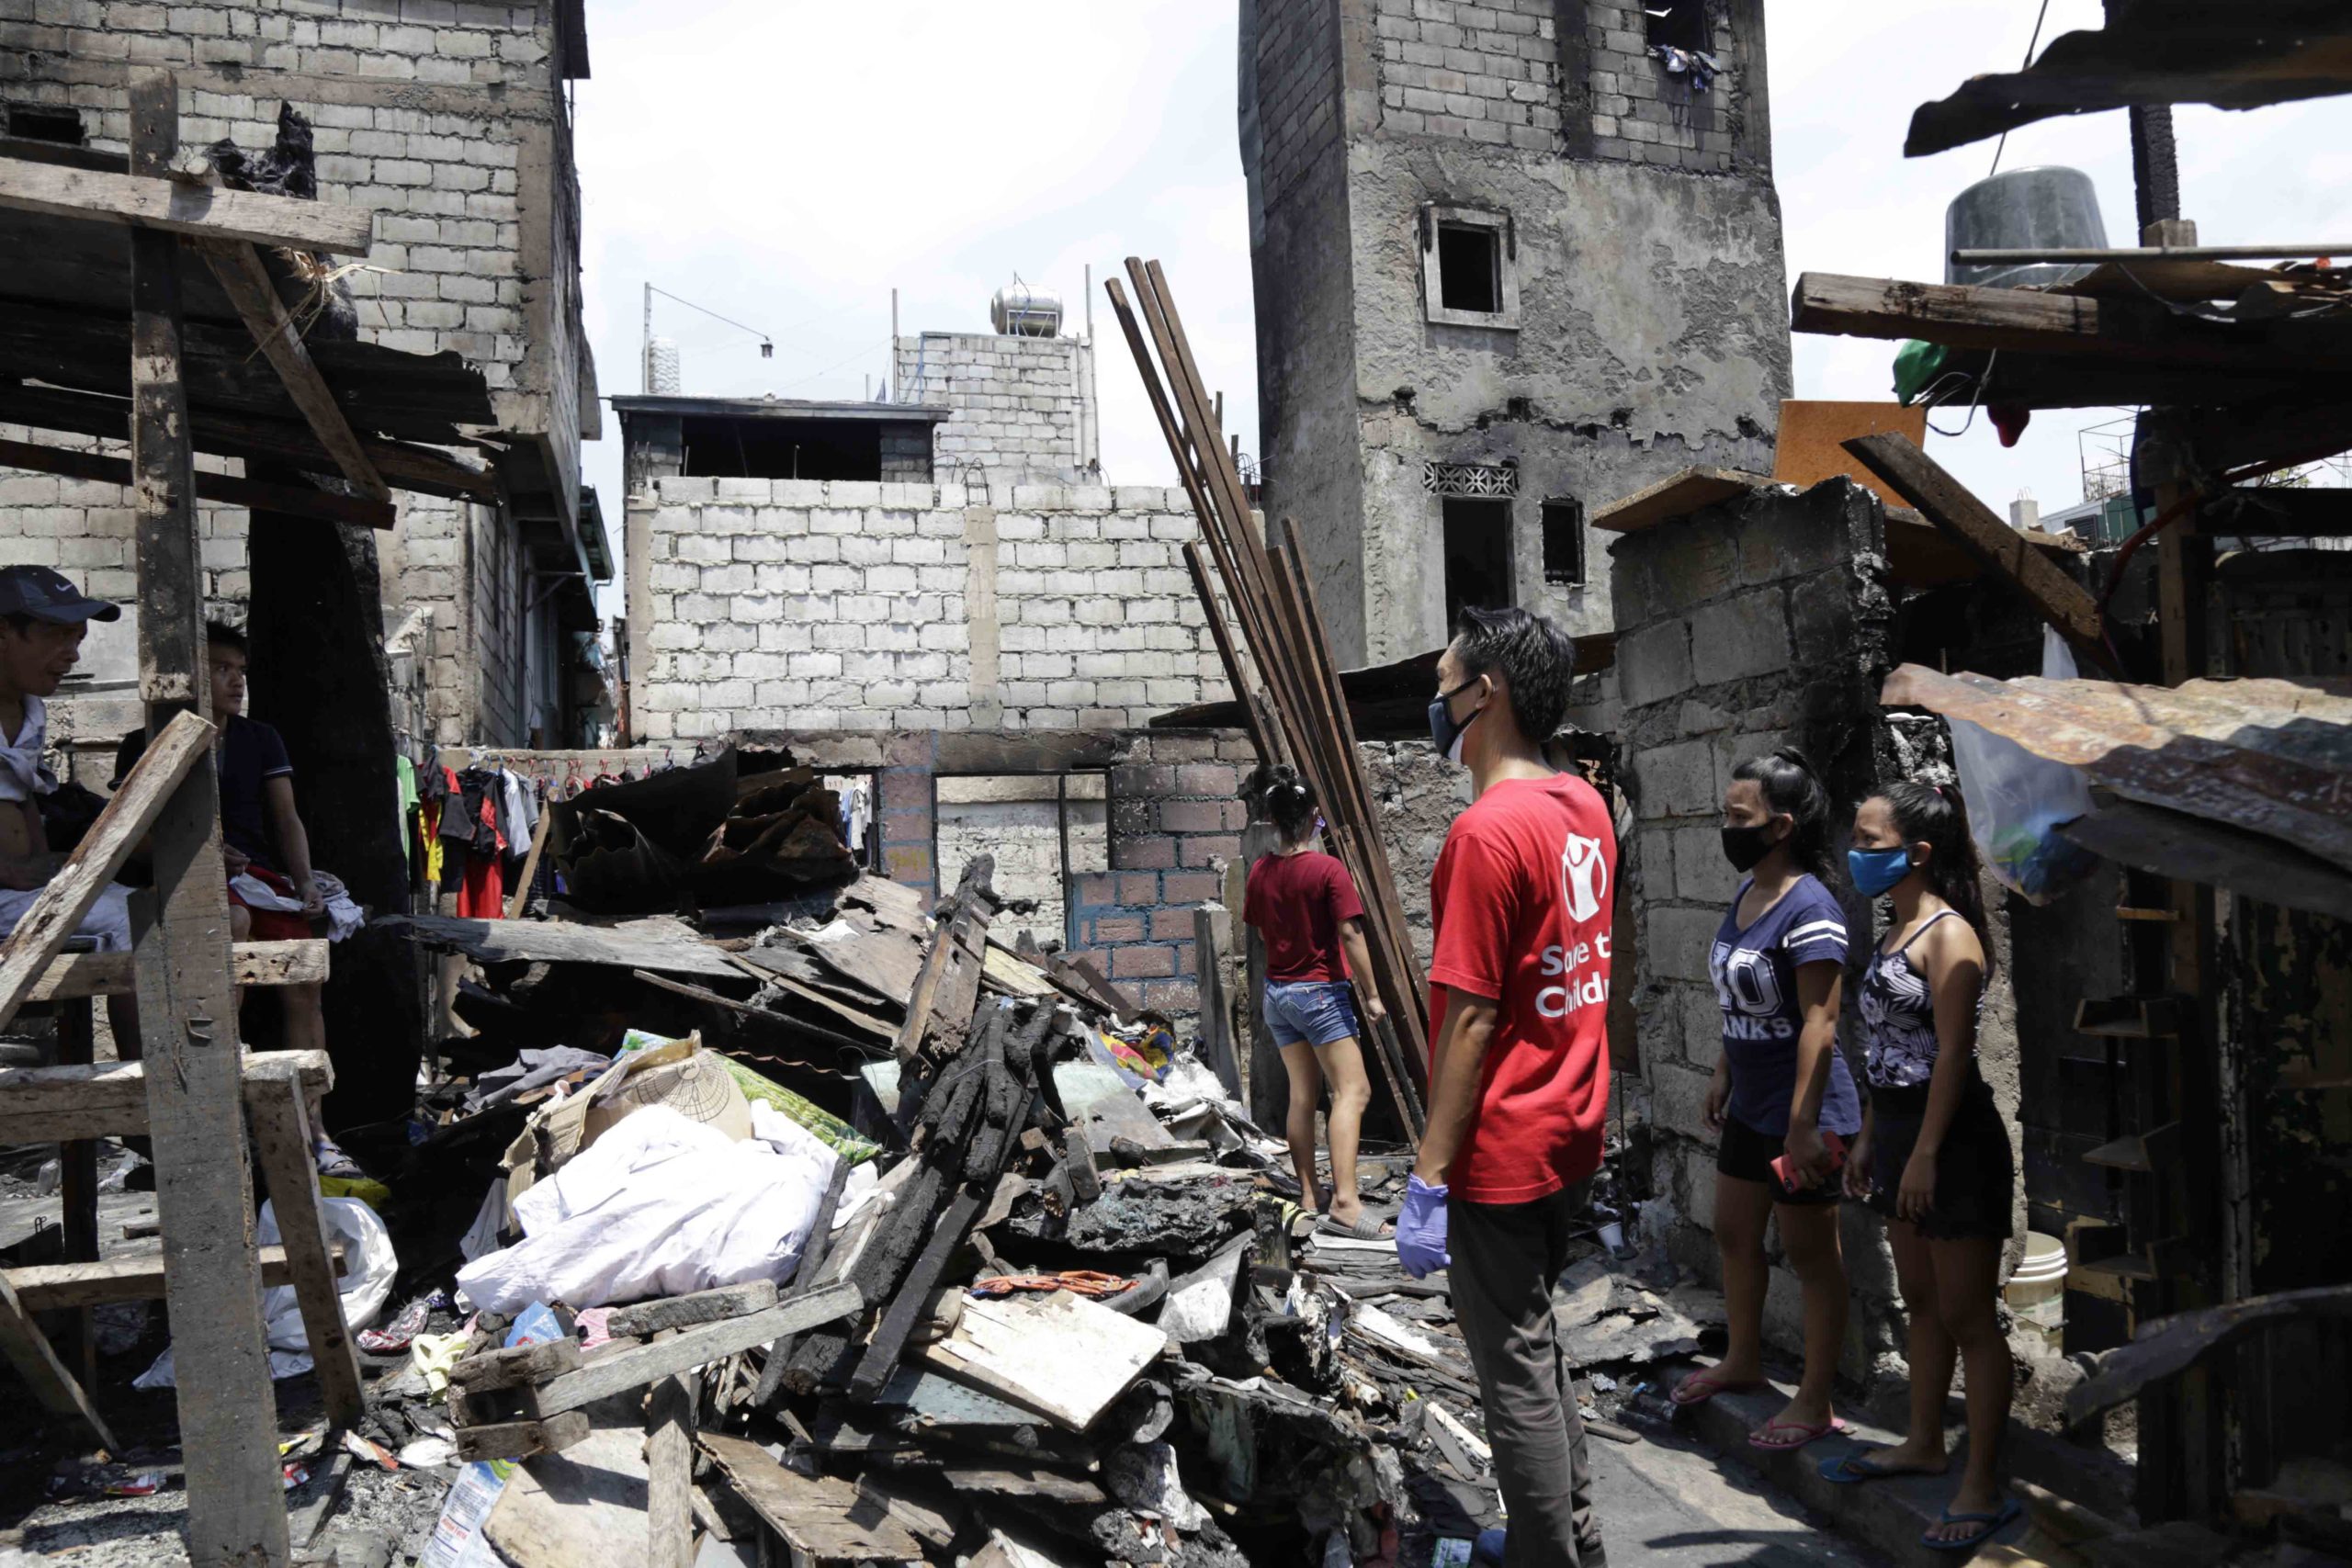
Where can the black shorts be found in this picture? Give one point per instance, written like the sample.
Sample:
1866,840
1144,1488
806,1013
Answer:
1748,1154
1975,1173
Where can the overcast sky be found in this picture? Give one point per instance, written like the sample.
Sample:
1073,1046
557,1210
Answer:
786,163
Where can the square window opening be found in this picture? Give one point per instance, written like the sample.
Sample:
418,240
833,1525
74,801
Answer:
44,122
1564,543
1045,830
1469,263
1677,24
1477,556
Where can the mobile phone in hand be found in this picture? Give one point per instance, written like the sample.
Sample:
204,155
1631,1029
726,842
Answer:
1784,1175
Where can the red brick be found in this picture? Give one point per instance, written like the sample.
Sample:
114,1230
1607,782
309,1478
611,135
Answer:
1194,816
1172,925
1141,962
1096,889
1116,928
1085,955
1186,963
1154,852
1208,849
906,789
910,863
1172,996
1219,780
1140,780
1191,887
1139,889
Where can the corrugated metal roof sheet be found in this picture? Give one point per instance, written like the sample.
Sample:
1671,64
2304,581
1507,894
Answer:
2268,757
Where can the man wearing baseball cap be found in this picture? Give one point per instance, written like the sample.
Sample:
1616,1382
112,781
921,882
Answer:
43,617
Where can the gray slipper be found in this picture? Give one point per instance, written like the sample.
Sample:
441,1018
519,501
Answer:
1366,1229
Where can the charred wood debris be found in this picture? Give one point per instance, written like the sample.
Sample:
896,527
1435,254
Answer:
1069,1314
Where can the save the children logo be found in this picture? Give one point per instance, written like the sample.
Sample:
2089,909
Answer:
1584,877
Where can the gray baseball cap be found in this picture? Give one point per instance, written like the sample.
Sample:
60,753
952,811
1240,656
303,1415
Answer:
50,596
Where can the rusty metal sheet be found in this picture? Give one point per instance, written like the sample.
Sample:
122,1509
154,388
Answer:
2289,779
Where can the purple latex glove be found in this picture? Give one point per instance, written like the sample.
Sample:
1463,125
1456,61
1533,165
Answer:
1420,1229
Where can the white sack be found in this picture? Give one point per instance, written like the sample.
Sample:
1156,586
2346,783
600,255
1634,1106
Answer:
660,1205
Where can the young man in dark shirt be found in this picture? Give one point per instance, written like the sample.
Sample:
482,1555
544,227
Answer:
262,843
1519,1070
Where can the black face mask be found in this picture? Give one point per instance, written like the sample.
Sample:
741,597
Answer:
1744,847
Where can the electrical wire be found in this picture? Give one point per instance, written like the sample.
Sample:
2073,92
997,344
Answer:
2030,46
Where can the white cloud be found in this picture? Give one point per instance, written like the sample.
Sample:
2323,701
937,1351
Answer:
787,163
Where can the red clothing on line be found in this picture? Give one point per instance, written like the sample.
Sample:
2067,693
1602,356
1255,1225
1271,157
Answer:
482,895
1521,899
1298,902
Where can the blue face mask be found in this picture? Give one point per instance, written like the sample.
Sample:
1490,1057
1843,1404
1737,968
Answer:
1876,871
1445,731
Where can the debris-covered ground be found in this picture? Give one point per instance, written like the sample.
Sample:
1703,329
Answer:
815,1219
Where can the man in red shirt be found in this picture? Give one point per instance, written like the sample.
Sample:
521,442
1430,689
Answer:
1519,1069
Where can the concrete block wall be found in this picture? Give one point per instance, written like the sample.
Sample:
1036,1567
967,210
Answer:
1022,404
1036,826
851,605
1640,113
1743,628
447,120
1290,96
1485,72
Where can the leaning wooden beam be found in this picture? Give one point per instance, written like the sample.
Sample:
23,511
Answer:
167,204
27,1350
617,1371
64,1287
25,956
228,489
938,1011
1968,316
2057,598
40,1105
187,1009
72,975
281,1132
2171,1346
238,270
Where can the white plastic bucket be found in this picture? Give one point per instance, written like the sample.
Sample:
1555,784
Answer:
2037,1290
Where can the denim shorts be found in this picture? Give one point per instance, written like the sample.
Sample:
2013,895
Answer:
1310,1012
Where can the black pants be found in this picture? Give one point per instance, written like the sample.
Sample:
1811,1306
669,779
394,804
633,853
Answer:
1505,1258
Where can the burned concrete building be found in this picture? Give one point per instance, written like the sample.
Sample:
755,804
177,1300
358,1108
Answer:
451,123
1513,260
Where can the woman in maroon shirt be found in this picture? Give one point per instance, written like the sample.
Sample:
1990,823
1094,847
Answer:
1305,904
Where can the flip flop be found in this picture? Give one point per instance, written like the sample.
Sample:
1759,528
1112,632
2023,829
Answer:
1992,1524
1366,1229
1853,1469
1710,1385
1801,1436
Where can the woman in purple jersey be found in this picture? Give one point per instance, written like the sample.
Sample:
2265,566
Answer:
1782,1092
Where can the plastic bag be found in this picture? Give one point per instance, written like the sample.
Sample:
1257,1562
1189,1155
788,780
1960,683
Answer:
369,1266
2017,801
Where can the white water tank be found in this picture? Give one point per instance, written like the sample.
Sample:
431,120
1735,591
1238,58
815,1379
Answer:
2045,207
1019,311
663,378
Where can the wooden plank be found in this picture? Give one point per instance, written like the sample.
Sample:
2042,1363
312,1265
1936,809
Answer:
1675,497
238,269
1100,987
521,1439
78,1189
1228,655
686,1310
822,1518
41,1105
82,974
167,204
512,1366
583,1505
1064,1357
522,893
2058,599
806,1277
281,1131
186,742
204,1195
2169,1347
37,1363
61,1287
617,1371
938,1009
2174,844
2025,322
230,434
670,1470
558,941
230,490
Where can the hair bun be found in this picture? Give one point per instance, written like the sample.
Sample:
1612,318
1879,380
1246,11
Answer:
1794,755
